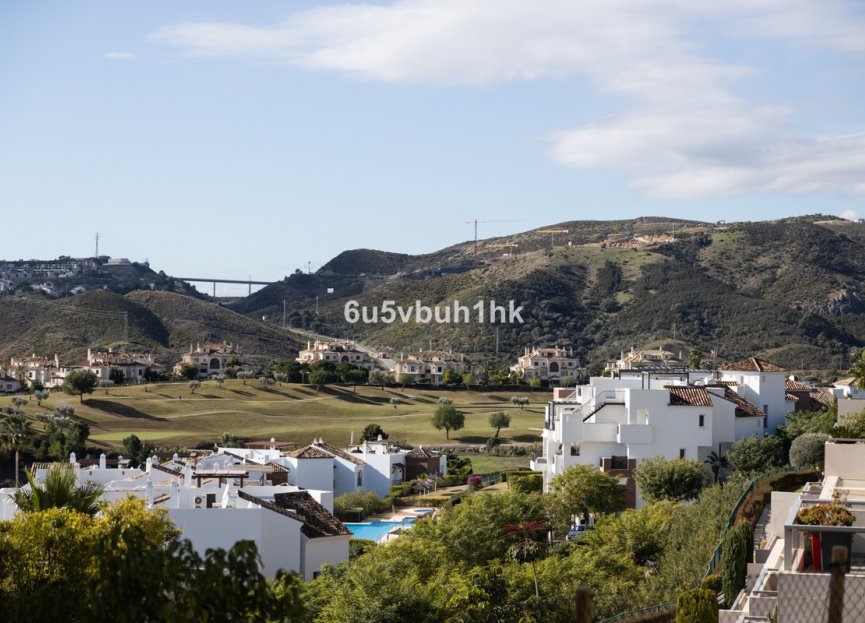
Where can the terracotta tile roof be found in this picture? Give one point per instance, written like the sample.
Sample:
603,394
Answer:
421,453
743,407
689,396
797,386
753,364
340,453
791,397
318,522
310,452
823,397
849,381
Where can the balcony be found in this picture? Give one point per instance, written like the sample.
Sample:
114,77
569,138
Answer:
602,432
538,464
634,433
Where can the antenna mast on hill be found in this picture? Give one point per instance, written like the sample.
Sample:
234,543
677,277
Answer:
97,245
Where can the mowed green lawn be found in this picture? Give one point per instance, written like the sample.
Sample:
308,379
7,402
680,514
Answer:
172,415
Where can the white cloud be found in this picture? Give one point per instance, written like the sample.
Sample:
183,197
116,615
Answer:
120,56
687,132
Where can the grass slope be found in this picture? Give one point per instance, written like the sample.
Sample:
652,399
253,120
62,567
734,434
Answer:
172,415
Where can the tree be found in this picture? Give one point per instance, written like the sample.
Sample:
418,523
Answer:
499,420
529,540
105,384
265,381
520,401
79,382
468,379
40,395
380,378
808,450
372,432
857,371
227,440
449,418
567,381
716,463
220,380
444,400
132,446
116,376
535,382
193,385
356,377
15,433
404,379
19,402
60,490
697,605
189,372
756,454
677,480
449,376
245,375
319,377
694,358
581,490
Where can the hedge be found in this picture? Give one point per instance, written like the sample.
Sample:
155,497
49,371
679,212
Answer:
526,483
697,606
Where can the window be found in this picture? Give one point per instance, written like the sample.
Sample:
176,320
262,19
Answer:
702,421
765,409
681,453
360,479
575,449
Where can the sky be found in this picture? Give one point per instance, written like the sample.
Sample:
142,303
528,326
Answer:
227,139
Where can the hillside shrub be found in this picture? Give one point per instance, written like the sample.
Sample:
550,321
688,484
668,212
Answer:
712,583
697,606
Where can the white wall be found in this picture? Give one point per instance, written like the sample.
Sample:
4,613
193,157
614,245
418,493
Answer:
311,473
326,550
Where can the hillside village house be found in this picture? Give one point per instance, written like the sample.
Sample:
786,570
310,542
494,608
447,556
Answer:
613,423
782,581
133,366
209,359
651,358
9,385
428,365
549,364
335,352
45,371
846,388
217,501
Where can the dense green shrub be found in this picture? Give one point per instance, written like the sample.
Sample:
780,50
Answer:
358,505
808,450
526,483
712,583
756,454
697,606
737,547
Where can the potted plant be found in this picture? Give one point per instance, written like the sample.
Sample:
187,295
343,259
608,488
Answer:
835,514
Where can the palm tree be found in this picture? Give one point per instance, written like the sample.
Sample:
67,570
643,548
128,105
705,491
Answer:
858,371
15,433
59,491
716,462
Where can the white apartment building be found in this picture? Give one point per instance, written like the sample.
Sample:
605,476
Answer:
209,359
613,423
783,581
646,358
846,388
46,371
763,384
133,366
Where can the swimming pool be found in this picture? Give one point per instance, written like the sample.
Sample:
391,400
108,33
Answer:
375,530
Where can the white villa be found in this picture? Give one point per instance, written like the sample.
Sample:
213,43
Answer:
846,388
651,358
548,363
613,423
134,366
428,365
209,359
335,352
46,371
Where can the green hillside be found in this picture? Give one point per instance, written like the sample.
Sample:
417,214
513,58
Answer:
787,289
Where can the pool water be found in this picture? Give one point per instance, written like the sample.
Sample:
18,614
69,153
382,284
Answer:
375,530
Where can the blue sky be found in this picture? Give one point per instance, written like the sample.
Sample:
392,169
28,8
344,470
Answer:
229,139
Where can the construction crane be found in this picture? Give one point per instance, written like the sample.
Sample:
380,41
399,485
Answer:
476,221
509,245
552,232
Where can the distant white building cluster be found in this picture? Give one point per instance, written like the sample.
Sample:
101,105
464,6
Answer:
106,365
336,352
